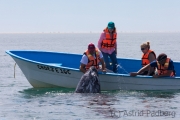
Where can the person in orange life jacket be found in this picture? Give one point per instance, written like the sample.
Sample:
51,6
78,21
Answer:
108,46
164,65
92,57
147,57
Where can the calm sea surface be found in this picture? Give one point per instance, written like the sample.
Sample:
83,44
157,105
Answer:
19,101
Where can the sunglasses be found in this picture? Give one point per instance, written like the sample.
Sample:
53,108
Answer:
142,48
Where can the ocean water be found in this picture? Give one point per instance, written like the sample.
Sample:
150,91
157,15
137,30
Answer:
20,101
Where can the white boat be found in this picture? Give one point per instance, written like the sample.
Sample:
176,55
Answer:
54,69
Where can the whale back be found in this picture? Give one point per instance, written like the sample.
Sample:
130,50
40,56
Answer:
89,82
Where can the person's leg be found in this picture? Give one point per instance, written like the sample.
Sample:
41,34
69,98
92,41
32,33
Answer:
106,60
114,61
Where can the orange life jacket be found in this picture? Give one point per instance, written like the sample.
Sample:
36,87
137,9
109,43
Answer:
110,40
91,60
163,69
145,59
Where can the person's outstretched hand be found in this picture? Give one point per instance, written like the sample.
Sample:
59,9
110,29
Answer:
104,71
133,74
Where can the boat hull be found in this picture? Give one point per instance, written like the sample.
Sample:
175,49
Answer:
54,75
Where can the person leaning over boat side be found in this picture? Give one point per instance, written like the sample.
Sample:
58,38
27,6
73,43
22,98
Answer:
92,57
147,57
164,65
108,46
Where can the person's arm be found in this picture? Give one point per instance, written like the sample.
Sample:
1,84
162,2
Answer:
116,48
116,45
103,65
151,58
102,62
100,40
82,68
140,71
84,61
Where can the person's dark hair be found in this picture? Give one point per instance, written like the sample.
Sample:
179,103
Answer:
161,56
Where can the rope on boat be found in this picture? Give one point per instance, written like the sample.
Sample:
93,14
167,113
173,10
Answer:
14,69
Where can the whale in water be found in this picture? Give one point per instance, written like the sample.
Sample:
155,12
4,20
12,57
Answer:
89,82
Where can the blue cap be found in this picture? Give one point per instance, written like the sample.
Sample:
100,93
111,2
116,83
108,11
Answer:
111,25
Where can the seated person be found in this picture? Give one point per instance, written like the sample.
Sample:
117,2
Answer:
147,57
164,65
92,57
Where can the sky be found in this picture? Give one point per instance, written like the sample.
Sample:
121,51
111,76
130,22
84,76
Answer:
31,16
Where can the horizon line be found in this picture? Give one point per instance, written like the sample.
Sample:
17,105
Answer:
88,32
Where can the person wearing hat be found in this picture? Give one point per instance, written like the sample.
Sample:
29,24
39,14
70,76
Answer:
164,65
92,57
108,46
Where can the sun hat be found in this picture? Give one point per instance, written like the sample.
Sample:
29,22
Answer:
111,25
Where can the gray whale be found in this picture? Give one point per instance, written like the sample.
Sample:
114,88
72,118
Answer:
89,82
